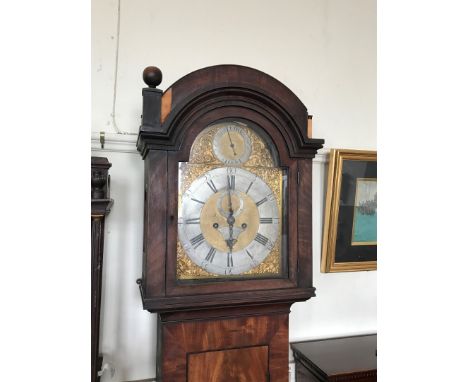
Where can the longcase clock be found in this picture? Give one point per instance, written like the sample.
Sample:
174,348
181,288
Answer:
227,224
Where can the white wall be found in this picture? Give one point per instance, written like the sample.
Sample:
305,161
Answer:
323,50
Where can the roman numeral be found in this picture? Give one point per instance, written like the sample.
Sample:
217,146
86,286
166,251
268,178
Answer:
230,263
194,221
254,262
231,179
197,240
248,188
212,186
266,220
260,202
261,239
211,254
198,201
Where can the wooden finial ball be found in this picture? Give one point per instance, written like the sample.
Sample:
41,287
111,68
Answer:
152,76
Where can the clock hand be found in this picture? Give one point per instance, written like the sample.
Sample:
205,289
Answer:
230,240
232,144
230,220
231,212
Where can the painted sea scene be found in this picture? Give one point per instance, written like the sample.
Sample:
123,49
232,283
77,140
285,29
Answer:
365,212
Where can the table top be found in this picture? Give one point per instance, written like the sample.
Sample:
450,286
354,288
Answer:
339,355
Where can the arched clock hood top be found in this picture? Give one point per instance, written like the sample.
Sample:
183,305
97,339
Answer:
171,122
223,88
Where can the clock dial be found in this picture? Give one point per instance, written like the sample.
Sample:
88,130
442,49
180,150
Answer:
228,221
230,206
231,144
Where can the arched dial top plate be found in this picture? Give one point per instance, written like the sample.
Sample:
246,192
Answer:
230,143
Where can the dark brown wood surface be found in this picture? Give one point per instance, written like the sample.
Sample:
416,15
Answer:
218,86
231,322
337,359
100,207
180,339
154,246
229,365
304,224
199,99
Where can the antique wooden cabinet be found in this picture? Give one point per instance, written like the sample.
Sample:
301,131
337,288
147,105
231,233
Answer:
101,204
345,359
227,223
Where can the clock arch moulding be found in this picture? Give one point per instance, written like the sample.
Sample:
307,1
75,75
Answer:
215,89
170,123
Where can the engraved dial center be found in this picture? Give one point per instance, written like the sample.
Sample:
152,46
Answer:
219,226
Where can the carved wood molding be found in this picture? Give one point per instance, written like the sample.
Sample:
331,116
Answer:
126,144
218,87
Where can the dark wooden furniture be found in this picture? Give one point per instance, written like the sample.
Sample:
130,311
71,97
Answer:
338,359
224,329
100,206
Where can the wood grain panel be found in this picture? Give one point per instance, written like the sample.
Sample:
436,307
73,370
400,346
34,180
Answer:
187,337
233,365
304,223
154,260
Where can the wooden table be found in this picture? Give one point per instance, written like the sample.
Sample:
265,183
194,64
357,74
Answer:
337,359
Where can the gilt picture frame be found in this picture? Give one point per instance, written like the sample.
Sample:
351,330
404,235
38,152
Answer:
350,219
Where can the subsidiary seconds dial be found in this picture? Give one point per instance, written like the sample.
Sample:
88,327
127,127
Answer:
228,221
231,144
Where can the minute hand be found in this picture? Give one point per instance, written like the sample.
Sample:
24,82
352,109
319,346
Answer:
230,220
232,144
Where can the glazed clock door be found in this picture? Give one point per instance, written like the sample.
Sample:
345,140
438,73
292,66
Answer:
230,212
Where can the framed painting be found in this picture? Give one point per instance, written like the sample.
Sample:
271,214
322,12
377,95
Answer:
350,223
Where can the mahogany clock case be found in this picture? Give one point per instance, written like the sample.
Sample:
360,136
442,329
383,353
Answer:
170,123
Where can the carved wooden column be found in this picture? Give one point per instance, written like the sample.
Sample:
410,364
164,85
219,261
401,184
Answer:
100,206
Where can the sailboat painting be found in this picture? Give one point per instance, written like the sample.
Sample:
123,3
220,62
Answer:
365,212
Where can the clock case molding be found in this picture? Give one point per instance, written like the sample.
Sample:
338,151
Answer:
171,120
